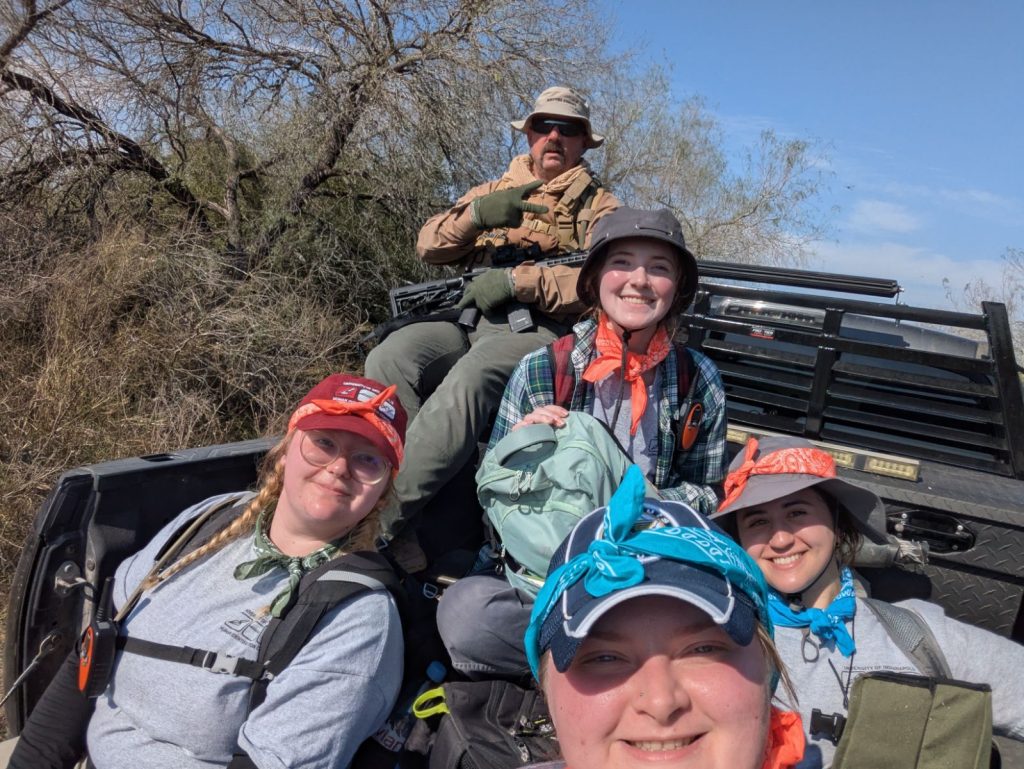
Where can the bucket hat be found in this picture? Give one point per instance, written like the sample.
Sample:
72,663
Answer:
625,222
774,467
356,405
560,101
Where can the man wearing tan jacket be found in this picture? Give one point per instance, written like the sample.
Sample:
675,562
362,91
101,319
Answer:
450,379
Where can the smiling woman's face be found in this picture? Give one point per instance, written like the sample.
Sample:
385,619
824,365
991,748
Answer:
657,683
793,541
326,502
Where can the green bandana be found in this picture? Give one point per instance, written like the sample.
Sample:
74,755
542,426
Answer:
268,556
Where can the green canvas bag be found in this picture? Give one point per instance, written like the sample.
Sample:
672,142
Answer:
538,481
902,721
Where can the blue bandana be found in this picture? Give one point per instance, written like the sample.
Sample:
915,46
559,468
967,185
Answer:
614,562
827,624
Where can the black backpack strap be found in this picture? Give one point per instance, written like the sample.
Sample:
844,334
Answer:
186,538
218,518
215,662
563,375
319,591
913,636
685,372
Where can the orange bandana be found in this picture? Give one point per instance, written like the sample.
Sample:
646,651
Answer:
786,740
609,360
808,461
365,409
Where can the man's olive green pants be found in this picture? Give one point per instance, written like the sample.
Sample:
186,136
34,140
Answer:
450,383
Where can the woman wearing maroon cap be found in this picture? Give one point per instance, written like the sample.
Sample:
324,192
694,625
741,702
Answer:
320,492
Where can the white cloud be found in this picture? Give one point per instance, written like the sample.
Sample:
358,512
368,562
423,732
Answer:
879,216
968,202
918,270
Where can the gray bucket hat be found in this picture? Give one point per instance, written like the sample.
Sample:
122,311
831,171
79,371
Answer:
625,222
753,481
560,101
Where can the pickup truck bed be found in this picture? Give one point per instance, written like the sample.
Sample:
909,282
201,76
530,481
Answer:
911,406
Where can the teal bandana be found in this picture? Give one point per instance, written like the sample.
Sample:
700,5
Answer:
615,562
828,624
268,556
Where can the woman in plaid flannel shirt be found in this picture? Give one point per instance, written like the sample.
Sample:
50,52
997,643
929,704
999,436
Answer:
625,372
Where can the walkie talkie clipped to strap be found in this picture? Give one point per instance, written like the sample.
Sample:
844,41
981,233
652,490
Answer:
98,646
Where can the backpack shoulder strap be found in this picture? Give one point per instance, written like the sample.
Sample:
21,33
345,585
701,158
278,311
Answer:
563,375
912,635
319,591
585,214
204,526
189,536
686,371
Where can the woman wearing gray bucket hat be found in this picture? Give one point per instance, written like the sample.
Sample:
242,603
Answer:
652,643
802,524
664,404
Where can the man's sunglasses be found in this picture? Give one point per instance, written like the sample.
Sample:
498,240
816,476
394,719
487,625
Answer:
566,128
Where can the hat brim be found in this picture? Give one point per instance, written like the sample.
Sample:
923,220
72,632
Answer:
865,507
593,140
350,424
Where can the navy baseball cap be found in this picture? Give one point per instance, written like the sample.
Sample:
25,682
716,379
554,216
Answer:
680,554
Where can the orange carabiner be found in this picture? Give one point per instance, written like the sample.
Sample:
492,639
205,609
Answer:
691,426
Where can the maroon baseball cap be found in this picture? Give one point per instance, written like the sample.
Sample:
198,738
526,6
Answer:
356,405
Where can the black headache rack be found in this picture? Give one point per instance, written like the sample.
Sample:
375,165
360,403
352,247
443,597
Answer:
921,406
863,373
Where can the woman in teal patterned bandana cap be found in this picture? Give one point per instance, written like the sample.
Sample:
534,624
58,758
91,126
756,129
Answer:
652,642
320,492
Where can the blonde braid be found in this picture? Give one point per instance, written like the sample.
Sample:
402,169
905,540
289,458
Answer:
272,475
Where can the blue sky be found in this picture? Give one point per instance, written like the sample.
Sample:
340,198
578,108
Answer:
920,104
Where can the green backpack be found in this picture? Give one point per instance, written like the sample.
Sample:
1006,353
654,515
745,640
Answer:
901,721
538,481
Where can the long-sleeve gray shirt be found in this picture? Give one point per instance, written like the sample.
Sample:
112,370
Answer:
973,654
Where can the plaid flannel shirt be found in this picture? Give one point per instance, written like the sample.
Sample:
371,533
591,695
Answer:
693,476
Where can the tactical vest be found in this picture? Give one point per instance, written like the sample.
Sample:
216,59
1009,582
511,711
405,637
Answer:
573,214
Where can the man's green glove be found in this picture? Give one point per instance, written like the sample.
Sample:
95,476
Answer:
487,291
505,208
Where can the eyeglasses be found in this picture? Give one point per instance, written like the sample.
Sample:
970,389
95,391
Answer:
321,450
566,128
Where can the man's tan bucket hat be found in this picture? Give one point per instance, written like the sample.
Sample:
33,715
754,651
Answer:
559,101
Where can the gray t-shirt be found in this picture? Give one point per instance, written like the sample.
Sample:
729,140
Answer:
973,654
642,448
156,714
